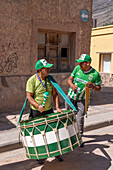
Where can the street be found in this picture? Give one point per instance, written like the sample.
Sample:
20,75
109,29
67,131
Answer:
96,155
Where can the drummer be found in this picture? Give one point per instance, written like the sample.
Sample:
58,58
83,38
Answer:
36,86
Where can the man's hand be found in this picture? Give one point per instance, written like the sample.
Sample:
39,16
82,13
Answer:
74,87
91,85
59,110
70,82
40,108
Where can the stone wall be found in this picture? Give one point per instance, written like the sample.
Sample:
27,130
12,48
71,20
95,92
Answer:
17,49
105,96
107,79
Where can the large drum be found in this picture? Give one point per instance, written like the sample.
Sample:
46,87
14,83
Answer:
51,135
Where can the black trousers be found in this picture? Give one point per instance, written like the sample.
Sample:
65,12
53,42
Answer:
36,113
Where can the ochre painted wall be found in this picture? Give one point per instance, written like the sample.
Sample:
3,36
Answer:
101,42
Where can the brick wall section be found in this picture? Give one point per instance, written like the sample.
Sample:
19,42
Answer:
17,57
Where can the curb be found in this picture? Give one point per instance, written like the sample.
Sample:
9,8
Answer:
98,125
11,146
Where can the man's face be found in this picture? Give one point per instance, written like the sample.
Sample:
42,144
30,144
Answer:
45,71
85,66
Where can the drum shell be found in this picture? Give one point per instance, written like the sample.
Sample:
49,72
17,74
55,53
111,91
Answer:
50,136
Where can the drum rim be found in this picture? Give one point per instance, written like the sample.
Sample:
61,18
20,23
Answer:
49,119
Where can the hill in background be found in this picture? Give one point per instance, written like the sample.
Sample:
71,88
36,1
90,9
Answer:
103,12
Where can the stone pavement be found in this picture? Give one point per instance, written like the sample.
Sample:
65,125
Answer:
98,116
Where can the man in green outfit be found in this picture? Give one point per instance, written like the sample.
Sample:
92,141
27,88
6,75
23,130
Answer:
36,86
81,75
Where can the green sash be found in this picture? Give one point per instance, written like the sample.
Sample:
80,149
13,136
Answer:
55,84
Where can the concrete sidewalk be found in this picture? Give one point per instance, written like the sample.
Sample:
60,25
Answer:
98,116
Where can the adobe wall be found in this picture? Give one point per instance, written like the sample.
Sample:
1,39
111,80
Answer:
18,20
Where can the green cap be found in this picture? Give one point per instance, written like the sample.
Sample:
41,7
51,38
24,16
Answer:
84,57
42,63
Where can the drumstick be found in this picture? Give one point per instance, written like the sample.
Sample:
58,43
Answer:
45,95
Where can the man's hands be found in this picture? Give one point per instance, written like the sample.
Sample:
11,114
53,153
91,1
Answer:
90,85
59,110
93,86
74,87
70,82
40,108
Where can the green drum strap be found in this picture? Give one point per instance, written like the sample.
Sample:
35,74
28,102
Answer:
55,84
21,113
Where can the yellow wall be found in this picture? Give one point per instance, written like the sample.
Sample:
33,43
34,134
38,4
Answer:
101,42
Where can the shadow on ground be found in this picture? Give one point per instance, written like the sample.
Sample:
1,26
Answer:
6,123
105,96
79,159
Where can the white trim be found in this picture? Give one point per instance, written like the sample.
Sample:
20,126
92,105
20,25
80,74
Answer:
50,136
78,89
88,70
81,80
98,83
82,93
72,94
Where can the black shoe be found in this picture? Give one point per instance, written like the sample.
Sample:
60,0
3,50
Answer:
59,158
40,161
82,145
